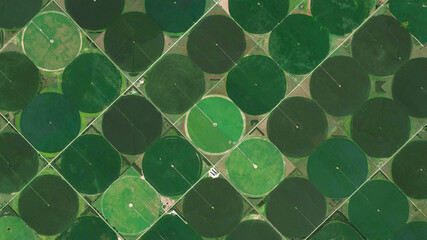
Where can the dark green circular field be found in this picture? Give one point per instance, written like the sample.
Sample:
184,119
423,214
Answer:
131,205
19,81
255,167
48,205
412,12
337,167
216,44
296,207
409,169
256,84
88,228
18,162
15,14
172,165
215,124
412,231
91,82
175,84
298,44
175,16
380,127
49,122
337,230
341,17
52,40
381,45
410,87
132,124
14,228
258,16
94,15
253,230
378,210
134,41
297,126
90,164
340,85
171,227
213,207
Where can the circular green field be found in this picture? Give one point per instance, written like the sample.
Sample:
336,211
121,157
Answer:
337,230
19,81
340,85
132,124
256,84
18,162
90,164
297,126
409,169
213,207
216,44
48,205
374,127
15,14
255,167
258,16
175,84
337,167
171,227
88,228
172,165
412,231
131,205
298,44
296,207
91,82
49,122
215,124
134,41
381,45
410,87
94,15
253,230
341,17
413,13
52,41
175,16
15,228
378,210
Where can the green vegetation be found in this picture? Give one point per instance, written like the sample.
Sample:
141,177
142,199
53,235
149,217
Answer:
412,13
296,207
253,230
215,124
88,228
171,227
340,85
131,205
175,84
13,227
213,207
172,165
255,167
132,124
15,14
378,210
19,81
48,198
298,44
52,41
337,230
216,44
256,84
258,16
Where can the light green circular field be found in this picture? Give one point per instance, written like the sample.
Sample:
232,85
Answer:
131,205
15,228
215,124
255,167
51,41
